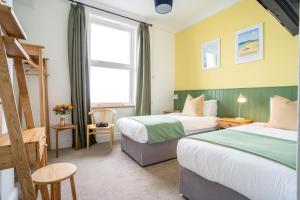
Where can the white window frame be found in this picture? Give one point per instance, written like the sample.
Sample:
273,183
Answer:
114,65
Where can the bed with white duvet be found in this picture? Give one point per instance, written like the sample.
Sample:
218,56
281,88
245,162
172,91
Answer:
191,125
252,176
136,142
134,138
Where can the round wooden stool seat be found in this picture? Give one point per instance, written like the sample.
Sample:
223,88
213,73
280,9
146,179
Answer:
53,174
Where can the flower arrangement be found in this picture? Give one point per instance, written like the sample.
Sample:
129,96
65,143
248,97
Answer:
63,109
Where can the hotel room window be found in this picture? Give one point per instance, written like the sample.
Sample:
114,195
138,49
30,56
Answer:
111,63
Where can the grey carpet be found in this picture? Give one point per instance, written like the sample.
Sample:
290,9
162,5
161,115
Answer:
106,175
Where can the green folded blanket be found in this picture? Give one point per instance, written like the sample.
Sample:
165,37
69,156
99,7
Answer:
160,128
279,150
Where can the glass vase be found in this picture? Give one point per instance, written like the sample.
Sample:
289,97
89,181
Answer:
62,120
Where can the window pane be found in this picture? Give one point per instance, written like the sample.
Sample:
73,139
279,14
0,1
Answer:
109,85
109,44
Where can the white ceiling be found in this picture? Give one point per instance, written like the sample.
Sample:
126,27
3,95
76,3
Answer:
184,13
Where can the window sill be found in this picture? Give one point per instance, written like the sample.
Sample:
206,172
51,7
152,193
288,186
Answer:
117,105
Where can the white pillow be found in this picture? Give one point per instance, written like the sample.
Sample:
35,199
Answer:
283,113
210,108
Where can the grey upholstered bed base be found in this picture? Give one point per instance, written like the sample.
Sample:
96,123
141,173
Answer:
147,154
194,187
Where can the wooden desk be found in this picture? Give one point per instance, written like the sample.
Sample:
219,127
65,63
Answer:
59,128
36,148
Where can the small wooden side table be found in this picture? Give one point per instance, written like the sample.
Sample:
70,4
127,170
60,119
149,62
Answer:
228,122
59,128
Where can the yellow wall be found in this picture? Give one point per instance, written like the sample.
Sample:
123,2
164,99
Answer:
278,68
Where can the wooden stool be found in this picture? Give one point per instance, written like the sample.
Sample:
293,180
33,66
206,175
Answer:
54,174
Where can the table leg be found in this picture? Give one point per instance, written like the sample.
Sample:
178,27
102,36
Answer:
76,137
73,188
56,142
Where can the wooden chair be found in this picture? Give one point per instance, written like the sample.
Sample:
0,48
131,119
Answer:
101,115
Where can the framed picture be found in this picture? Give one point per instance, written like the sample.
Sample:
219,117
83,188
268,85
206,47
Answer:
249,44
211,54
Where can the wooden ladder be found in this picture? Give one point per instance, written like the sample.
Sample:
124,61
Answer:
10,47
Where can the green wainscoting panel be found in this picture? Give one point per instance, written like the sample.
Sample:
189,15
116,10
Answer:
256,108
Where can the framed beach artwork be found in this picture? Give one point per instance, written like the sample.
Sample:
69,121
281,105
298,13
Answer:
211,54
249,44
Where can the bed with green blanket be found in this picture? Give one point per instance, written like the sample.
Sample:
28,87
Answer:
156,137
160,128
247,162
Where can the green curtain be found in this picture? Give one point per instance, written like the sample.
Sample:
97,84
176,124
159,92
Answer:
143,91
79,71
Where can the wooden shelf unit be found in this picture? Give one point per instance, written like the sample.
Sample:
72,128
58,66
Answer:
18,148
36,65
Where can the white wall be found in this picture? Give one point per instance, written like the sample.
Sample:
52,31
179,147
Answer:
45,23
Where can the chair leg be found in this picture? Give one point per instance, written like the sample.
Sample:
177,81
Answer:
73,188
56,191
87,138
111,140
58,194
113,136
52,191
44,192
36,189
95,133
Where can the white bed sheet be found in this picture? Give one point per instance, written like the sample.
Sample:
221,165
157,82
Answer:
253,176
191,124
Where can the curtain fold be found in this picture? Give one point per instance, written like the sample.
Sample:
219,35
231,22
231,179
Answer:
143,91
79,71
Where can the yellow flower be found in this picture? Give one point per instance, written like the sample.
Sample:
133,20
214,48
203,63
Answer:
63,109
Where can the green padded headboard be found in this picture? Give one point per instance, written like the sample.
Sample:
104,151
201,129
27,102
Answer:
256,108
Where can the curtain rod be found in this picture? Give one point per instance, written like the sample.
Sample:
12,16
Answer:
72,1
